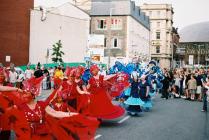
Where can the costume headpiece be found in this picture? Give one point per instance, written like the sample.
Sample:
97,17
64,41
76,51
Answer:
94,67
33,85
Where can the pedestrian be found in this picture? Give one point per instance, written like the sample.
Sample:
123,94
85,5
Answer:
28,73
12,77
20,79
205,94
192,86
165,88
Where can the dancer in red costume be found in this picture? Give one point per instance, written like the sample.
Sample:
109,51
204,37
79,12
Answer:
68,88
117,84
100,104
83,127
73,90
37,120
83,96
42,118
7,108
59,105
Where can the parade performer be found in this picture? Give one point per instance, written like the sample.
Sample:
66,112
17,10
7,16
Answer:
118,84
6,108
144,92
79,125
83,96
68,88
41,118
59,105
134,102
100,104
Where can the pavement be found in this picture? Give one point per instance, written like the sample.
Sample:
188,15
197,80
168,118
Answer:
172,119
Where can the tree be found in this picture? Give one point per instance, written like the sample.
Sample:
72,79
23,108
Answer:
57,53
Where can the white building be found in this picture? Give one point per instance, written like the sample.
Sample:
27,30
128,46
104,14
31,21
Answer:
66,23
96,48
161,23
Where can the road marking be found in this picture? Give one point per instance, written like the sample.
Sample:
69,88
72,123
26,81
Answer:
124,119
97,136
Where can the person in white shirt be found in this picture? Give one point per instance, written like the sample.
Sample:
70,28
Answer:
13,77
28,73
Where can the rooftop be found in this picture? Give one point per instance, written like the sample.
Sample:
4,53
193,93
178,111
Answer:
198,32
119,8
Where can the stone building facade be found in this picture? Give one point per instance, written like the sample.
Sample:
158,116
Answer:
193,48
125,27
161,24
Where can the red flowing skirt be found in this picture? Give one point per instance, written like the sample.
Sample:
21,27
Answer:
101,106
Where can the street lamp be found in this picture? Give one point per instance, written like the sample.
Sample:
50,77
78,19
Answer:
109,48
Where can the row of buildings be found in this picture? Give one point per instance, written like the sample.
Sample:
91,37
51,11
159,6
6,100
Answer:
99,30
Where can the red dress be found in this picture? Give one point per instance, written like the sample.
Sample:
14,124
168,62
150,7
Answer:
83,100
12,118
82,127
100,104
64,107
69,94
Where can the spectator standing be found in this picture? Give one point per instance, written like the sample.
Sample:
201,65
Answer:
199,85
188,77
20,79
12,77
165,88
38,72
205,94
28,73
192,86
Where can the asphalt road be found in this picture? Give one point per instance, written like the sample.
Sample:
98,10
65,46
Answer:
172,119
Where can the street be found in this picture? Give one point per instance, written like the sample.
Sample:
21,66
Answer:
172,119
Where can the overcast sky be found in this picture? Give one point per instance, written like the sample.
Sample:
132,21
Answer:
186,12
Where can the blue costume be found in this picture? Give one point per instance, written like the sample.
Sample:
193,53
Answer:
143,90
134,102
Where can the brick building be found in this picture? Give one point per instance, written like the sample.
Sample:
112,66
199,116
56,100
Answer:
14,31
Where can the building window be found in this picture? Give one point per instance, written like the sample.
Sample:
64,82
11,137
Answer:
157,35
101,24
139,12
158,24
157,49
116,24
105,42
115,43
150,25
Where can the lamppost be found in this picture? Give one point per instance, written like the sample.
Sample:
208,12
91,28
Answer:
109,47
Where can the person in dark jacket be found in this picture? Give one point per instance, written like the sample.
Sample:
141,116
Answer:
165,88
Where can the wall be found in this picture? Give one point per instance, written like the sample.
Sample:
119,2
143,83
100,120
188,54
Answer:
14,30
162,13
73,33
138,39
